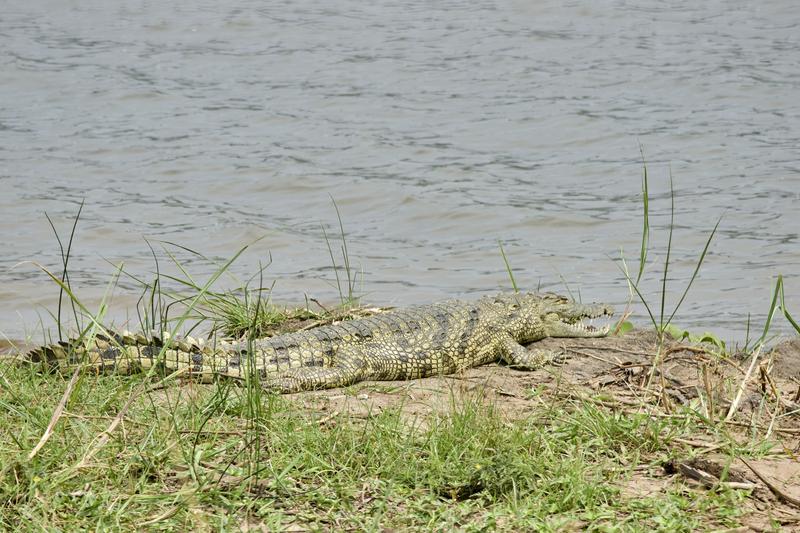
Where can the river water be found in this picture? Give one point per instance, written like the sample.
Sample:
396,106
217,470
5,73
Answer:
439,128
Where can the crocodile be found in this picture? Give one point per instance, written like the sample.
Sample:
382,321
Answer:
403,344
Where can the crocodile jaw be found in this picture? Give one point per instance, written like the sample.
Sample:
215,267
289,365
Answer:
572,325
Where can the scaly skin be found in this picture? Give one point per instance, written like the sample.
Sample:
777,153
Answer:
417,342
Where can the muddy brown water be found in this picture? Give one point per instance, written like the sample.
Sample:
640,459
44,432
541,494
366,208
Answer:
438,128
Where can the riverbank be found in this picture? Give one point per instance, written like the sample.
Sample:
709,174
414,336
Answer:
626,435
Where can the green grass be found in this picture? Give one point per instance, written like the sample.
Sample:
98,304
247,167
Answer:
191,456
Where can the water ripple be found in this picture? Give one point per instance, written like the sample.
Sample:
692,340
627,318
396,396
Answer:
438,128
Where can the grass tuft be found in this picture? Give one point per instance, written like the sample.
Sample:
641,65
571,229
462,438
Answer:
347,294
661,323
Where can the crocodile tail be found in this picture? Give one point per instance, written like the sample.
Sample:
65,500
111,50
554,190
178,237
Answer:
75,349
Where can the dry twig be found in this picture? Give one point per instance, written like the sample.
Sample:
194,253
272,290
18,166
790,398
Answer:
786,498
742,386
56,414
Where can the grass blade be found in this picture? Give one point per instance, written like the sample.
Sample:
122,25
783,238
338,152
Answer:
65,261
645,219
508,266
696,271
669,251
345,255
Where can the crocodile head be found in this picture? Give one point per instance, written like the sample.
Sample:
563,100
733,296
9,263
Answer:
533,316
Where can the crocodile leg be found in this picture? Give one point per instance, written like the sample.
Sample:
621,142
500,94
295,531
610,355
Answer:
347,368
305,379
522,358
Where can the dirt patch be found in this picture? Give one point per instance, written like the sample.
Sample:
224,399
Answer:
786,360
